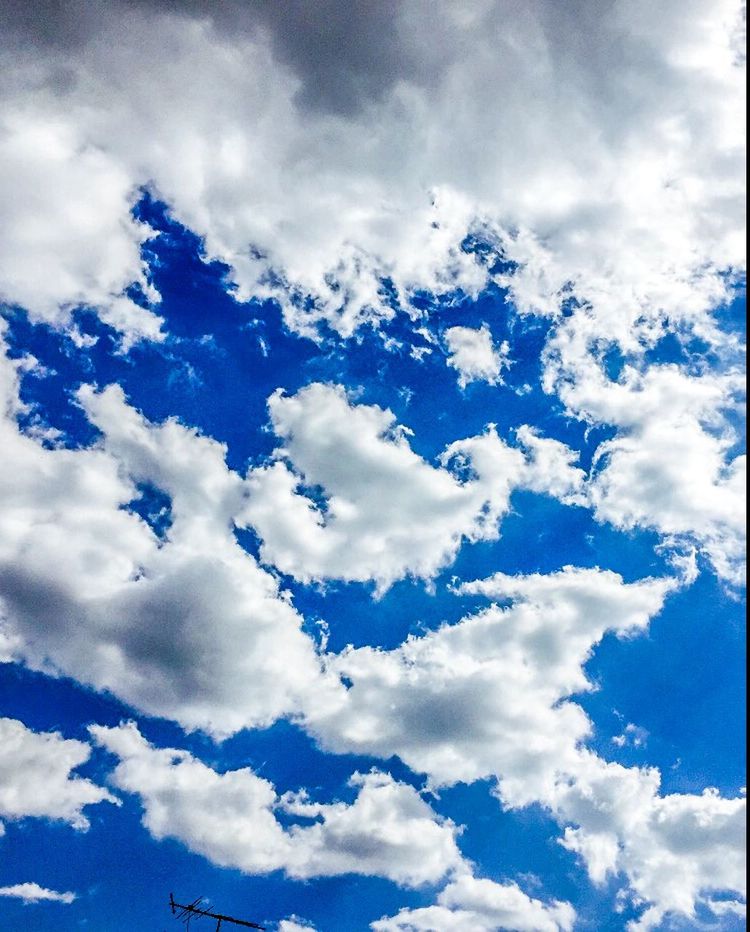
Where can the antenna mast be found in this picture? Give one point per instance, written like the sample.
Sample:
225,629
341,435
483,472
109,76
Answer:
189,911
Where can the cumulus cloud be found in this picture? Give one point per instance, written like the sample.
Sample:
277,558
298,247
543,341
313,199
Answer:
673,464
550,467
677,851
189,626
88,251
33,893
580,181
37,779
231,818
476,905
474,355
491,694
83,578
596,152
632,735
387,512
557,148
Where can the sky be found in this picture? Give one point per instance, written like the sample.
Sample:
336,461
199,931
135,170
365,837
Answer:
372,537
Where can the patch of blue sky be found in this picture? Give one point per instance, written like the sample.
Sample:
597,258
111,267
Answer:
692,712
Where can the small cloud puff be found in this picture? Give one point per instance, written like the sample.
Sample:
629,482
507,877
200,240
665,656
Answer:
474,355
33,893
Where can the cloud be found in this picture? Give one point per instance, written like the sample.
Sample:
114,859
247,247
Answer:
388,512
550,467
343,56
336,159
676,850
231,818
473,354
90,251
632,736
33,893
82,577
491,694
295,924
188,627
476,905
321,153
673,464
584,187
37,779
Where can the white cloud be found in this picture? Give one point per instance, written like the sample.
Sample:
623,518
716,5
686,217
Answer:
473,354
37,779
295,924
33,893
189,627
601,148
230,818
551,468
601,189
491,694
67,238
631,736
388,512
675,850
539,119
475,905
672,464
629,200
729,907
82,578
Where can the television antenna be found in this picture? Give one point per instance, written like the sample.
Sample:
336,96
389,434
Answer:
187,912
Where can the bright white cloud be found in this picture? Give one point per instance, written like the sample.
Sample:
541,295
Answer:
597,187
33,893
550,467
474,355
594,185
295,924
673,463
230,818
675,850
491,694
37,779
189,627
631,735
475,905
67,238
601,149
388,513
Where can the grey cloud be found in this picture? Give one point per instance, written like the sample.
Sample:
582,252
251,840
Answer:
344,54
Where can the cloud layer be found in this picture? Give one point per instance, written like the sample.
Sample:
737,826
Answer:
576,168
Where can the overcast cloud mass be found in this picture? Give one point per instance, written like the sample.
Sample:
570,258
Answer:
372,464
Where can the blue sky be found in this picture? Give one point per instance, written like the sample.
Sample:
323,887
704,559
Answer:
372,551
